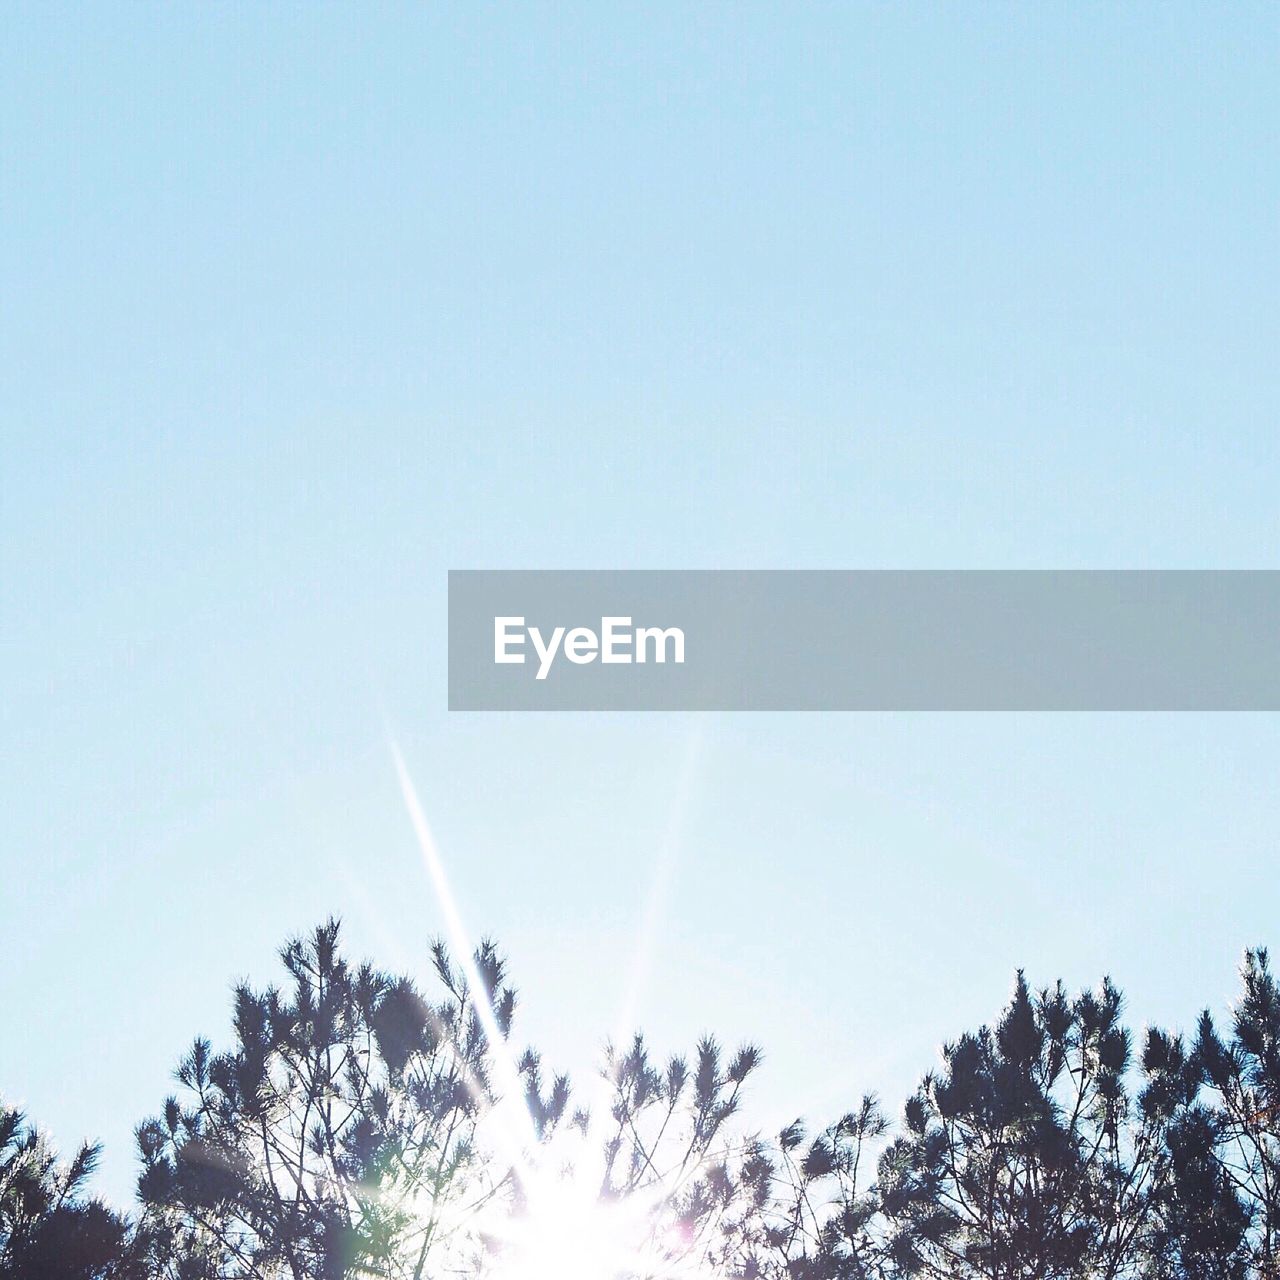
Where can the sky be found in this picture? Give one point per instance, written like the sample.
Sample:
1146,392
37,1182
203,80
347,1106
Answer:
303,306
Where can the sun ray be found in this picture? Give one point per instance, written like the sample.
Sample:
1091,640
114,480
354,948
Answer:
664,865
561,1228
647,928
516,1131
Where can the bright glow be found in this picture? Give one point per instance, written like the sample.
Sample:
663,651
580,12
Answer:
564,1230
519,1131
565,1235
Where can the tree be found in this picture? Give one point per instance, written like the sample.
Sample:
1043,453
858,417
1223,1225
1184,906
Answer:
1243,1075
361,1127
822,1221
667,1147
1200,1223
338,1135
356,1127
48,1230
1025,1157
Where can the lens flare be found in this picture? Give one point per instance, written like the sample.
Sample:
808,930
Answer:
565,1231
558,1226
567,1235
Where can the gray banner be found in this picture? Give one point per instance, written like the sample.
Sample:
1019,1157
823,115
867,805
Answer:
1043,640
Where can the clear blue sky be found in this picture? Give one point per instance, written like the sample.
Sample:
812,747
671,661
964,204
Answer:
301,306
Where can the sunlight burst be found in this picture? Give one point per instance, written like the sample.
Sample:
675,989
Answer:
563,1228
568,1235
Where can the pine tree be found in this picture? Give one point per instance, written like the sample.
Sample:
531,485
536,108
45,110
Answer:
48,1229
354,1130
337,1134
1243,1074
1026,1157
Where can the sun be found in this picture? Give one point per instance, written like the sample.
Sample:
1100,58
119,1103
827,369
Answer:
562,1227
565,1234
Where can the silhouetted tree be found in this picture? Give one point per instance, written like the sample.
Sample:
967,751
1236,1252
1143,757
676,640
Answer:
1025,1157
821,1221
48,1229
355,1129
337,1136
1243,1074
1200,1224
667,1144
